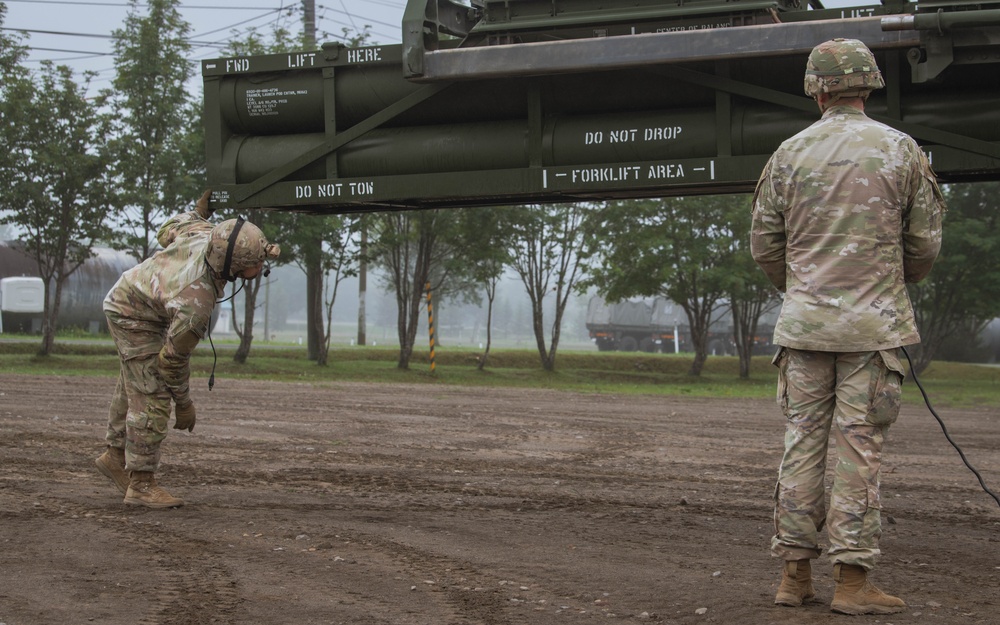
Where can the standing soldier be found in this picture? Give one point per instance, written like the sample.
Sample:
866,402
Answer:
845,213
157,312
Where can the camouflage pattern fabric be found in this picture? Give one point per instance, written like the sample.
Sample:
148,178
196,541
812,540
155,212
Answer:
184,224
251,248
157,312
845,212
855,397
117,412
140,411
842,66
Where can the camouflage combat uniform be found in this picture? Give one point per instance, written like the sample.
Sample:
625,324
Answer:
844,214
157,312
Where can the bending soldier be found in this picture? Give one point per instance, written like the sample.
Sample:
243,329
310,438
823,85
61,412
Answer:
157,313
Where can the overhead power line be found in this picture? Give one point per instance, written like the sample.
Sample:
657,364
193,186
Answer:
57,32
87,52
125,4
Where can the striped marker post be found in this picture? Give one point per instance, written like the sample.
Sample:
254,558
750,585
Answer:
430,322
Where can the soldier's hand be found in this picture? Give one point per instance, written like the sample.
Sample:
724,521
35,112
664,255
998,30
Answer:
201,206
184,412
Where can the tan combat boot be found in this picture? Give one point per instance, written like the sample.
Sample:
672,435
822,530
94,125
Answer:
143,491
796,584
856,595
112,464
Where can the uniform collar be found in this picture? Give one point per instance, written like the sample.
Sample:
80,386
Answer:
843,109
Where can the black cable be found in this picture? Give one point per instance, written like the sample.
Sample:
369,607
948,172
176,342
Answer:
211,378
215,358
927,401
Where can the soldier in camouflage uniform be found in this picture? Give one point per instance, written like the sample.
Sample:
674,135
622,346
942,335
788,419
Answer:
157,313
845,213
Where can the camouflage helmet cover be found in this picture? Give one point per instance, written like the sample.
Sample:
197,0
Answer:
249,249
842,66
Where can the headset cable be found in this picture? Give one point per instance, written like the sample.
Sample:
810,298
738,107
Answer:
927,401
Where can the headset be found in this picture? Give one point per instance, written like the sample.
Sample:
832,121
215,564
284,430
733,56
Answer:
233,236
230,277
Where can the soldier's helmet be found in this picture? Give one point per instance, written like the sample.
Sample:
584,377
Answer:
235,245
842,66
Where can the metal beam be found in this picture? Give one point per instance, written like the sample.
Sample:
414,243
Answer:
608,53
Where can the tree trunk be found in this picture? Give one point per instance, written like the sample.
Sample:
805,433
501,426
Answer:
698,322
363,285
538,327
746,315
249,313
314,302
410,321
489,329
409,312
49,317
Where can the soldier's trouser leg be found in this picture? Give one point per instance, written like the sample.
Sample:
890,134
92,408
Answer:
860,393
148,399
805,393
117,412
111,463
868,398
148,414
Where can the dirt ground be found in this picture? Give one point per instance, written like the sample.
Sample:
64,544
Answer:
437,505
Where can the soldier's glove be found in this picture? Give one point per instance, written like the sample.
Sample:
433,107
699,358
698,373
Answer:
184,411
201,206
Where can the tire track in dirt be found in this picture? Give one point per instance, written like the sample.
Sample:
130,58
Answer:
193,586
182,581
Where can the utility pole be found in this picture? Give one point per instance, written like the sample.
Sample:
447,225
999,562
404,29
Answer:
309,22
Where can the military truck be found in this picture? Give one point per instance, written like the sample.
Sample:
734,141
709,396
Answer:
661,326
657,325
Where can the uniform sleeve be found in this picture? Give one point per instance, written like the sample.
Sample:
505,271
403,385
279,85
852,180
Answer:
178,225
921,220
175,364
190,316
767,231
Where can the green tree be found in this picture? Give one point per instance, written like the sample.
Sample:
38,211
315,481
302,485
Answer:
12,51
12,74
415,248
326,248
53,177
548,251
679,248
484,234
962,293
749,291
156,169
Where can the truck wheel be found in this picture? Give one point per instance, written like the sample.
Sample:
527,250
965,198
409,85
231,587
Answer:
628,344
647,345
